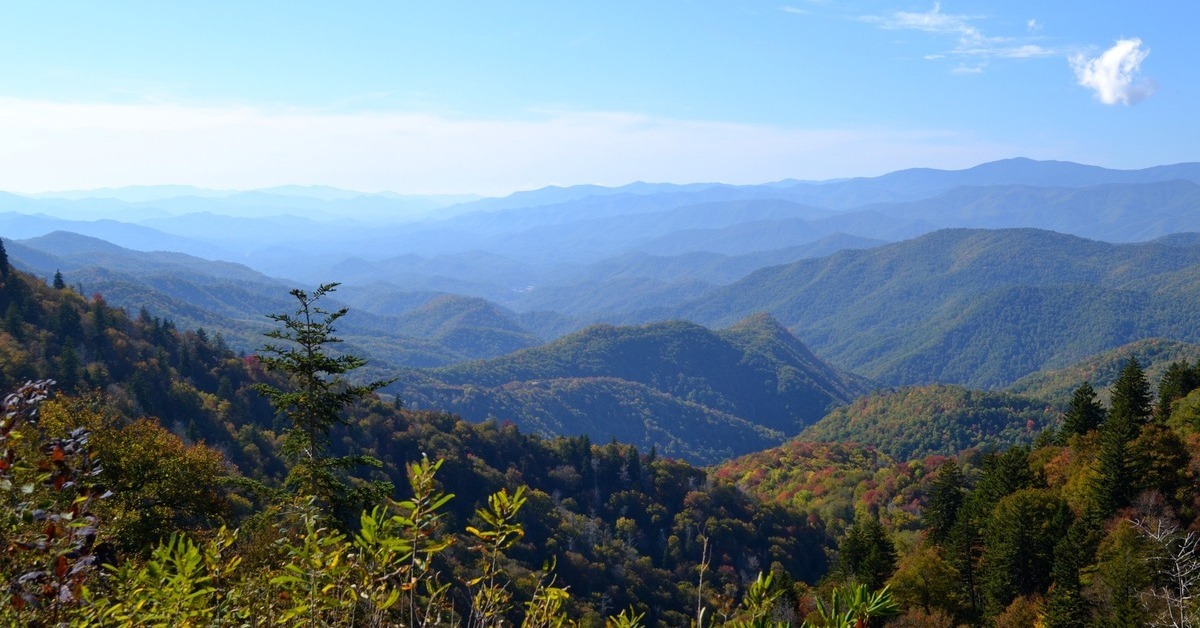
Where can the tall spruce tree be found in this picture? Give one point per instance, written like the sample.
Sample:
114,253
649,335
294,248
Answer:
867,554
945,502
1117,474
1131,394
1083,415
1019,541
1177,382
1118,464
3,260
314,402
1065,604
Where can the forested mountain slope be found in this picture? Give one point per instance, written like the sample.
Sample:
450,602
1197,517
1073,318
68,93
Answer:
622,525
1102,369
915,422
982,308
741,381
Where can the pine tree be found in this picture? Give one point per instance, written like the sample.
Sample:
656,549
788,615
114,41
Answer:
3,260
1019,541
1131,394
1118,465
1180,379
867,554
1117,475
1065,604
945,501
1084,414
1003,474
315,402
59,284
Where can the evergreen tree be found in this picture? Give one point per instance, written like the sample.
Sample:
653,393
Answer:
1131,394
3,260
867,554
1117,473
1065,604
1003,474
58,281
1180,379
68,369
963,548
1084,414
1019,542
1122,571
315,402
945,501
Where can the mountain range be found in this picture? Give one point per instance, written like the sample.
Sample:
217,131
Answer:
547,307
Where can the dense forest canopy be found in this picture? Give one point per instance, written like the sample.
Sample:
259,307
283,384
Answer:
153,453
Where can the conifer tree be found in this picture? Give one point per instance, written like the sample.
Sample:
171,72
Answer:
1003,474
1118,463
867,554
1177,382
3,260
945,501
315,401
1131,394
1084,414
59,284
1019,542
1117,475
1065,604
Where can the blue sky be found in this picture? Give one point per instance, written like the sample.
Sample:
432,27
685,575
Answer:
448,97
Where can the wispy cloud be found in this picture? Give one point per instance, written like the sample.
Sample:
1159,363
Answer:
933,21
787,8
1113,75
55,145
970,40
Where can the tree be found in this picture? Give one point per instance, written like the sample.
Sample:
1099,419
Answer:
867,554
1065,605
1131,394
59,284
1180,379
1122,572
3,261
924,580
1178,570
945,500
315,401
1117,467
1019,541
1084,414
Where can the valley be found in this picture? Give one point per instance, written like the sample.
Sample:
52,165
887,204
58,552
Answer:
769,370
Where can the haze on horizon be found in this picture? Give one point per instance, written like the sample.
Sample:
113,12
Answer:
442,98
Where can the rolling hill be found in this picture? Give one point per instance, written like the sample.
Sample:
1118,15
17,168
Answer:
914,422
977,307
751,383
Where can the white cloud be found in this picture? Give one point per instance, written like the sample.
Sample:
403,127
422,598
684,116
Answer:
1112,76
1033,25
791,9
971,41
932,21
56,146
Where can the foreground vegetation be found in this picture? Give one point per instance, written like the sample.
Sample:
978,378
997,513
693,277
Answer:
320,503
